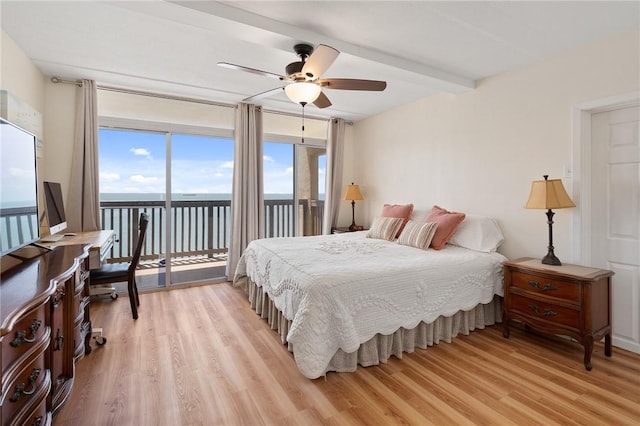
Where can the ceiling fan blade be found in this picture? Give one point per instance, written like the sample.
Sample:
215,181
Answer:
322,101
319,61
263,94
251,70
353,84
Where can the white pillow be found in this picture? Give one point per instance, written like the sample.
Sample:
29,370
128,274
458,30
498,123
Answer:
478,233
419,215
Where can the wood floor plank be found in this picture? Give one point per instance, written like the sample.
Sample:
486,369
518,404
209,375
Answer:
201,356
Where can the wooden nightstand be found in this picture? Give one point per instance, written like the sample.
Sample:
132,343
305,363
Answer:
569,300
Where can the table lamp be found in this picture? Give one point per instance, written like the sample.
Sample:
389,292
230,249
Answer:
353,193
549,194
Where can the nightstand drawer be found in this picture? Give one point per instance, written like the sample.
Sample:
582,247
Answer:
545,311
548,286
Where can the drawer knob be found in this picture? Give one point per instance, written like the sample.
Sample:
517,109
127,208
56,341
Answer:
546,287
21,336
546,313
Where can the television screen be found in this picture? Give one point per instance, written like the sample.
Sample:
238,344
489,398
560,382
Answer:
19,223
54,207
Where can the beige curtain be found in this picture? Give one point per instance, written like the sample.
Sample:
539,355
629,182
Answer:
335,148
247,203
83,211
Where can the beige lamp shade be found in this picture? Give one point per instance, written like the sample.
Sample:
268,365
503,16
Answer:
353,193
548,194
302,92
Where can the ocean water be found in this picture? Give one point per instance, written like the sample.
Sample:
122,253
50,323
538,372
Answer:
117,196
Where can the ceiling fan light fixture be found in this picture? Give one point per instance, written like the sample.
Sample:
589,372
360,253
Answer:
302,92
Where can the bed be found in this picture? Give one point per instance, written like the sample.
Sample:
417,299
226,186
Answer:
342,300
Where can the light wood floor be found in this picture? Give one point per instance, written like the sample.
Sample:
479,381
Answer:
200,356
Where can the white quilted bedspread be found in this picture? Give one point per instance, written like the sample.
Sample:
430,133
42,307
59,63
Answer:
340,290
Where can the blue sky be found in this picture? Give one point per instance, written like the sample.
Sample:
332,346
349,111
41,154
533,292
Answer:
134,162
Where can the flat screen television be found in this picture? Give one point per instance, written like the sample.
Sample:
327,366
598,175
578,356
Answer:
54,207
19,224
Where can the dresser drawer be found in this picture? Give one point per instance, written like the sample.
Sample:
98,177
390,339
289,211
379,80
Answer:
28,333
551,287
38,417
26,389
545,311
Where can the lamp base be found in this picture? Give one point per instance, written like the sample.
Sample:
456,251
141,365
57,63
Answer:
551,259
354,227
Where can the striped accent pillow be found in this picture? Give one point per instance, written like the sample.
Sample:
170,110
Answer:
385,228
418,235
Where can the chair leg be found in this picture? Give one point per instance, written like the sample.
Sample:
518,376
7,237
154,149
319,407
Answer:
132,299
135,287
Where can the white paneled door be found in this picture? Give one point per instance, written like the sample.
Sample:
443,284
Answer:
615,209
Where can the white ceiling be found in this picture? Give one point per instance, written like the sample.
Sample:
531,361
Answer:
419,47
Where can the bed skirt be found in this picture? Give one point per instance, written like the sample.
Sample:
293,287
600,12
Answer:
379,348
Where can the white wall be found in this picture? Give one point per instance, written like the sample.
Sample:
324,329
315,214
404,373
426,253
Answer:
22,79
479,151
19,76
117,105
59,124
56,103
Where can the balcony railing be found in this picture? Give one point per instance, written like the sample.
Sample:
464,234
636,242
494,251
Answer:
198,228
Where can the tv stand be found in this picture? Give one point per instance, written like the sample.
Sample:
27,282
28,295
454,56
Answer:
30,251
40,246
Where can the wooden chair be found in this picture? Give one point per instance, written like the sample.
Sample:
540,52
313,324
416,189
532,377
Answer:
120,272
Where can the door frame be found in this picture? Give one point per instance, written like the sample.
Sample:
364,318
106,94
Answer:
581,219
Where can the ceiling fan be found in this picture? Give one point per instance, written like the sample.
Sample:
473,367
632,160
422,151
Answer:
304,84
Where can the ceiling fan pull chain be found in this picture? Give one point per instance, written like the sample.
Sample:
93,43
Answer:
303,104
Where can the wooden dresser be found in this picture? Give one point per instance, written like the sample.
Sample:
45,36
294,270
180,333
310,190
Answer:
44,316
568,300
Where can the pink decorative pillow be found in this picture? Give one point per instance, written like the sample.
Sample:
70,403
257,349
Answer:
402,211
447,224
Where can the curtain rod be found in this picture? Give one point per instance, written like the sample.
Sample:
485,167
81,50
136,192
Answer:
180,98
62,80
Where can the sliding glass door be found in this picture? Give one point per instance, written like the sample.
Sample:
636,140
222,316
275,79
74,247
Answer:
294,183
133,180
201,172
183,181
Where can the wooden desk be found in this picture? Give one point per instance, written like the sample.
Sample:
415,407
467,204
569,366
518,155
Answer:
100,242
